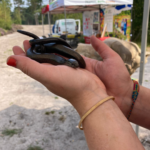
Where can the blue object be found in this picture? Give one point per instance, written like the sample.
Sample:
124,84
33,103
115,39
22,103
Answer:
53,29
125,28
122,6
129,5
125,25
102,11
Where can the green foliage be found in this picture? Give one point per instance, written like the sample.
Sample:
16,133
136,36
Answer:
18,2
5,14
137,15
125,13
31,14
27,17
16,16
81,39
34,5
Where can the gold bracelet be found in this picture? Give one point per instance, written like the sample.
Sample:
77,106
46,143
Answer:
93,108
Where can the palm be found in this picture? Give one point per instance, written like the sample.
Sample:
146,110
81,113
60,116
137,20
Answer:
61,80
111,71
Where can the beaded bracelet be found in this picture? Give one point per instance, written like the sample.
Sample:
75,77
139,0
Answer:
135,93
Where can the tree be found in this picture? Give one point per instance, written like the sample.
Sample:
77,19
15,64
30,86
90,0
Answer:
17,13
16,16
27,16
137,16
5,14
35,5
18,3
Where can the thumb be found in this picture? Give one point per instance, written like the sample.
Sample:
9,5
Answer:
30,67
103,50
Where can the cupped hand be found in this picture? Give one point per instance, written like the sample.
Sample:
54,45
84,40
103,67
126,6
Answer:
75,85
113,73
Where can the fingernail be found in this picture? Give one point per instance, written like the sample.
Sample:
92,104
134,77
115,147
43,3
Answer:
11,62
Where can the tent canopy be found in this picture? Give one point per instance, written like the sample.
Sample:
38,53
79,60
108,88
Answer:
79,6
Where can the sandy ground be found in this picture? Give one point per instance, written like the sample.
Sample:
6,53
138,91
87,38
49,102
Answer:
17,87
20,91
26,104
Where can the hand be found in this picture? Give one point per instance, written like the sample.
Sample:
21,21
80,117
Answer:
78,86
113,73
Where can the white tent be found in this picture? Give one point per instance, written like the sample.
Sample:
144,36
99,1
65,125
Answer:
76,6
80,6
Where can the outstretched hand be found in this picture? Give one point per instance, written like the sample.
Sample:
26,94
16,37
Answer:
113,73
75,85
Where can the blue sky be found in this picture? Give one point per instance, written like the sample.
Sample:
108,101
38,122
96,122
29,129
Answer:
44,2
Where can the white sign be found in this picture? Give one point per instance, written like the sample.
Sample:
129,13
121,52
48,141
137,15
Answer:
87,23
90,19
108,19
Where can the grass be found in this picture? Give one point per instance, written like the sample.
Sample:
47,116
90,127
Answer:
49,112
11,132
35,148
62,118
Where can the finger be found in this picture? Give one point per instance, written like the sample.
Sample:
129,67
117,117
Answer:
103,50
26,45
30,67
90,63
18,51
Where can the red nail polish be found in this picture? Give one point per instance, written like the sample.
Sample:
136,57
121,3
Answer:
11,62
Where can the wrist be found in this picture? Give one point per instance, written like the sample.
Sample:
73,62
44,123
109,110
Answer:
130,99
93,108
83,103
127,100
